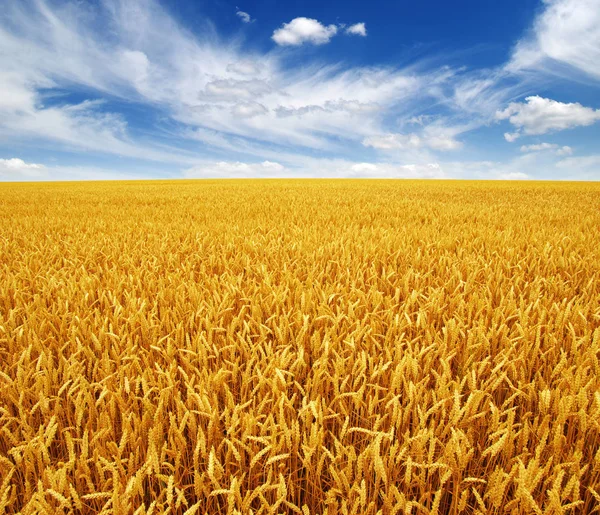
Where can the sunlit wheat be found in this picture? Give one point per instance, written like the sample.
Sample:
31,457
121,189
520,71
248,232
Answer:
305,347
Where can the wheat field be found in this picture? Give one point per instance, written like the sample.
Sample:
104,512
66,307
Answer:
309,347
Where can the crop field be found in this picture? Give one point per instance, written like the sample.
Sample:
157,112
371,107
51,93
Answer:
300,346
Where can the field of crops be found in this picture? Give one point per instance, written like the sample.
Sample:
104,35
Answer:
302,347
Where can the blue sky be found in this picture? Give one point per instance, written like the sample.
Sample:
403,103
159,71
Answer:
479,89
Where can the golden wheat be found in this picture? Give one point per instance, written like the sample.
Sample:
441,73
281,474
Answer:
309,347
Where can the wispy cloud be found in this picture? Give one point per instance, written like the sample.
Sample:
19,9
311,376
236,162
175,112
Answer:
437,138
244,16
565,38
543,147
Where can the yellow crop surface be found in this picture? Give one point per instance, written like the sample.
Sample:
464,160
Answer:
309,347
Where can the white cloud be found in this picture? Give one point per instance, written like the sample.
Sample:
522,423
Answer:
539,115
425,170
513,176
511,137
232,89
393,141
315,168
352,106
15,168
565,34
433,137
564,151
319,167
248,109
421,119
358,29
480,93
284,112
496,170
330,106
232,169
314,106
586,167
84,126
244,16
22,171
541,147
304,30
136,67
368,168
442,142
390,170
245,68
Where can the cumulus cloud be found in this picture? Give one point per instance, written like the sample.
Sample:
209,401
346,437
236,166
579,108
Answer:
15,167
244,16
565,34
539,115
564,151
511,137
358,29
304,30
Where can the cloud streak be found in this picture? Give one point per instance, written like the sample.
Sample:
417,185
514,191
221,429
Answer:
542,147
565,38
244,16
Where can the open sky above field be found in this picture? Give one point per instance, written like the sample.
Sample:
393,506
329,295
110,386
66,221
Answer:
218,88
